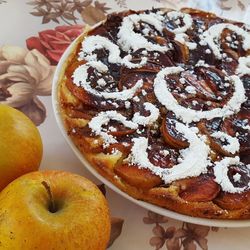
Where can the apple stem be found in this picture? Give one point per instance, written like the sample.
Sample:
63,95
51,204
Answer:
52,205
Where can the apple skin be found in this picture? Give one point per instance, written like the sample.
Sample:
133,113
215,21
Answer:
82,219
21,146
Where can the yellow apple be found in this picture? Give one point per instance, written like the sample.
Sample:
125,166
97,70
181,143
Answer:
53,210
20,145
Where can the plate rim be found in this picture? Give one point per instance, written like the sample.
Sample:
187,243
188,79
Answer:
87,165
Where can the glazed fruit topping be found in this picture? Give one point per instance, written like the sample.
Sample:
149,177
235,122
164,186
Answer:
170,90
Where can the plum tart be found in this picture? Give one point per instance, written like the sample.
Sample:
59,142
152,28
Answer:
158,102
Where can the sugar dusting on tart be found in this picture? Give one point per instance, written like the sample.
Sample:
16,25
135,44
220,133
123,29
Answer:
160,74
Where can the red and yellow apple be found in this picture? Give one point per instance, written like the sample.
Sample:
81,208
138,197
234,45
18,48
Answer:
53,210
20,145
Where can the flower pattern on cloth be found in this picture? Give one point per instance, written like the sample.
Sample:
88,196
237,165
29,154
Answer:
24,75
188,236
70,11
53,43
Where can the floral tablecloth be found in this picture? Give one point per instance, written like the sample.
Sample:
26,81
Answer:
34,34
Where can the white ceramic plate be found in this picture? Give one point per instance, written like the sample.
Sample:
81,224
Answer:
154,208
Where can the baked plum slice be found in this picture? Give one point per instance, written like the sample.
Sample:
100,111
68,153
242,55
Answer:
239,176
198,189
138,177
143,178
233,201
171,136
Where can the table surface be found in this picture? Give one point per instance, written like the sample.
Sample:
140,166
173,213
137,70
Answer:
34,35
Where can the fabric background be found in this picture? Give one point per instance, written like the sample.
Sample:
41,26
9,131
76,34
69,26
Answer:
34,35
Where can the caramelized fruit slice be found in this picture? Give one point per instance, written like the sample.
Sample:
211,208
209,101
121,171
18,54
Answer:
209,127
71,68
140,178
161,156
236,126
155,61
92,100
198,189
233,201
215,79
227,41
181,52
240,126
84,112
203,91
125,148
171,135
85,140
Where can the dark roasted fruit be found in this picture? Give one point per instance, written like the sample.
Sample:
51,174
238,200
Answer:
201,189
171,135
138,177
233,201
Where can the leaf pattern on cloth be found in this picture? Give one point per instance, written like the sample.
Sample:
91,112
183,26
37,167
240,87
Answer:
241,5
24,75
164,236
215,229
53,10
121,3
116,229
191,234
172,4
223,5
154,218
93,14
116,223
187,237
69,11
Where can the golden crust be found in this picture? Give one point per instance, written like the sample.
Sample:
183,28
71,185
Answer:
105,164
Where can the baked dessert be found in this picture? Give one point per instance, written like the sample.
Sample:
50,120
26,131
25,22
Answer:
158,103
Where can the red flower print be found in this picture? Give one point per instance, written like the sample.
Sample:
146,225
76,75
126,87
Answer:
52,43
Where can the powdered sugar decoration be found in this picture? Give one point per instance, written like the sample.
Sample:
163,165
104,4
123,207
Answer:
179,32
92,43
212,36
221,175
80,78
129,40
187,20
244,66
103,118
233,145
188,115
147,120
194,157
139,156
237,177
